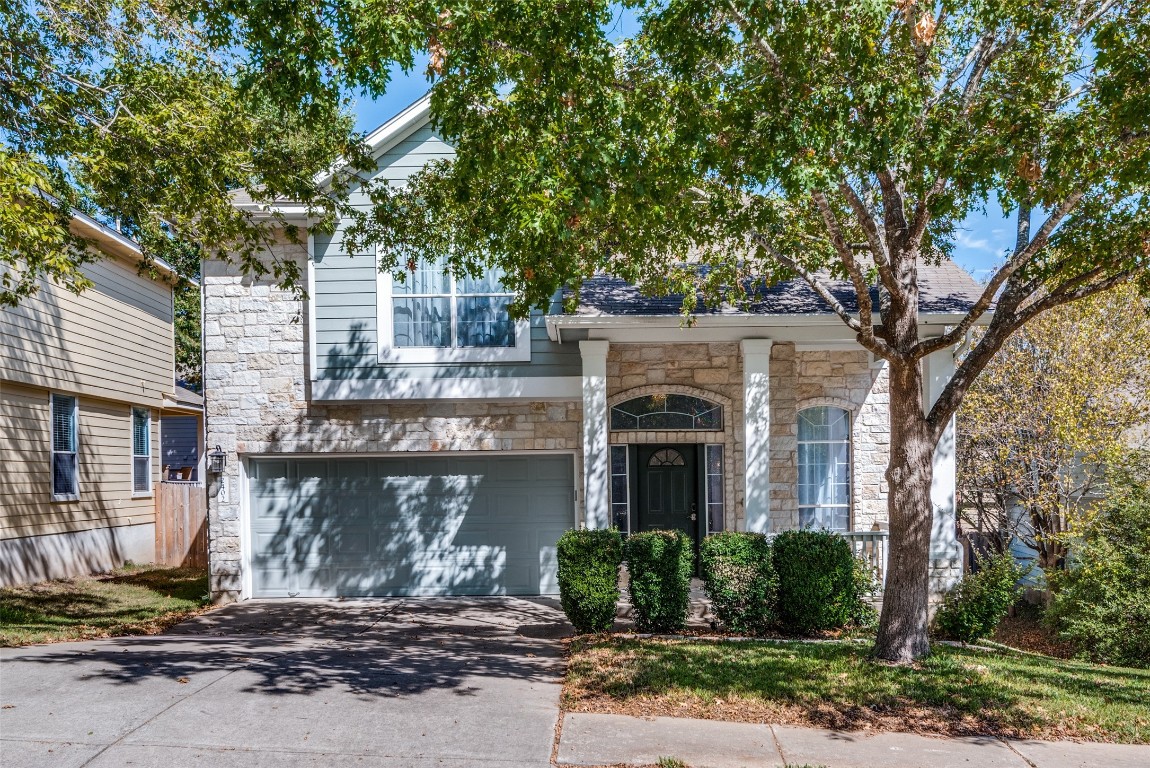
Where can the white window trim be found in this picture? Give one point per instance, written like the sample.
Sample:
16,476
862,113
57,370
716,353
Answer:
390,354
850,441
132,448
52,447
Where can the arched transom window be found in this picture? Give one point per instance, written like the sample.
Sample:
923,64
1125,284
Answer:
667,412
824,468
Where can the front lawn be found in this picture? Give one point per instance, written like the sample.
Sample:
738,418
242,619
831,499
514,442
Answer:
131,601
956,691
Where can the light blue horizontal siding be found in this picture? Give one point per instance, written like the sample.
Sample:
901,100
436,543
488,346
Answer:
345,300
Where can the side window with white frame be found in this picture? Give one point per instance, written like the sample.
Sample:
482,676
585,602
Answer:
141,451
825,468
434,317
65,447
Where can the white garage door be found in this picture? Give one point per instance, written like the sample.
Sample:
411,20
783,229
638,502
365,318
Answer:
414,525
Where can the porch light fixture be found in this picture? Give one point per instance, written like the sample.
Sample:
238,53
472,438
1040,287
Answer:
217,460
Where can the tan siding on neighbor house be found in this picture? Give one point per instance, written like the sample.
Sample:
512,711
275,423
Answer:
105,461
112,341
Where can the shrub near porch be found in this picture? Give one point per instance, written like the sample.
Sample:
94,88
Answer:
954,692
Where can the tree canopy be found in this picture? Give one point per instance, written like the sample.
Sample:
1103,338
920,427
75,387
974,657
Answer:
131,111
725,144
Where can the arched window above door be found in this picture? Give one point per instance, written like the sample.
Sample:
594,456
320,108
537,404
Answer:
666,457
667,411
825,468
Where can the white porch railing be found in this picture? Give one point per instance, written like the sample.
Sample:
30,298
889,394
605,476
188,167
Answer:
871,546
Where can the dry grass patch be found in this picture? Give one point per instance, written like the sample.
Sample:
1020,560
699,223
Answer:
131,601
955,692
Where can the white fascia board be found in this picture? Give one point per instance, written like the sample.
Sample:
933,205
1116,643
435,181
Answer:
414,389
114,243
395,130
807,328
378,141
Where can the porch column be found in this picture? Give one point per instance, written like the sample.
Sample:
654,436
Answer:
945,552
596,453
757,432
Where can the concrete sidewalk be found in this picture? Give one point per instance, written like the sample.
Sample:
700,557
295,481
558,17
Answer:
598,740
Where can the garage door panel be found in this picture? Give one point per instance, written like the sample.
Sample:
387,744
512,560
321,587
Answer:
419,525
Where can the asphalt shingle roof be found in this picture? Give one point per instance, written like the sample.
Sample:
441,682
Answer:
944,289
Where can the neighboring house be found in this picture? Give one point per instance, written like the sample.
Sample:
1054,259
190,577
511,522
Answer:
413,439
182,436
83,379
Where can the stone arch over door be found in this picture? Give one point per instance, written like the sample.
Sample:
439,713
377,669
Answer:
726,437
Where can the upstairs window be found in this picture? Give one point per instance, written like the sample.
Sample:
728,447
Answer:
432,317
65,448
141,451
824,468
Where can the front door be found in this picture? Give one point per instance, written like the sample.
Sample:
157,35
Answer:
668,485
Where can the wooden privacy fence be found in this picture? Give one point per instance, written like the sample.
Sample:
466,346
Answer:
182,524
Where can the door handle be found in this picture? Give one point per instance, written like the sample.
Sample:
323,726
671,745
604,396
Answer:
694,517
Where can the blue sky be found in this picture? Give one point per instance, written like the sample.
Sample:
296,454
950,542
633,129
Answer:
981,241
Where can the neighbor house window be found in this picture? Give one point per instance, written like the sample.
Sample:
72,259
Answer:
65,444
433,316
824,468
141,450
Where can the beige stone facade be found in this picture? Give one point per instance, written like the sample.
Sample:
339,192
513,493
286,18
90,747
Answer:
258,403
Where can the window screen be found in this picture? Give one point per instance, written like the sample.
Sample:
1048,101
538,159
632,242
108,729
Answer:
65,483
141,450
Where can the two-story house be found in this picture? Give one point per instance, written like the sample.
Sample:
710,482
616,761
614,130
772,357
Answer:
411,438
83,382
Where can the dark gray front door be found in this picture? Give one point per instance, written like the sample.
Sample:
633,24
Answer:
417,524
668,496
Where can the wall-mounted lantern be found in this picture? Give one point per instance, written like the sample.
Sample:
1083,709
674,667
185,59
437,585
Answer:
217,460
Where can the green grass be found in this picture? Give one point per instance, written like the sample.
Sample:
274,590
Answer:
956,691
131,601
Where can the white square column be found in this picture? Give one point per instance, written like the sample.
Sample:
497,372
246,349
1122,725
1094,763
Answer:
596,452
945,552
757,432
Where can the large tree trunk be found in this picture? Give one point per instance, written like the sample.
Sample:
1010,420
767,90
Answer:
902,633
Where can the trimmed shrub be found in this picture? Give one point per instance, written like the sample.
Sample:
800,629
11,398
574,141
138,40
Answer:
1102,604
973,608
660,564
589,563
740,580
819,588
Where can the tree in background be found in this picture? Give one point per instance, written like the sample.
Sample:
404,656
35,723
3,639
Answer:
1062,405
131,111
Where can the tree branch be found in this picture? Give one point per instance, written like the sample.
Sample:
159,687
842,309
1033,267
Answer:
846,256
875,344
1023,253
997,334
764,47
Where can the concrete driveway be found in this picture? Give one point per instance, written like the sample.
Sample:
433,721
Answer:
297,683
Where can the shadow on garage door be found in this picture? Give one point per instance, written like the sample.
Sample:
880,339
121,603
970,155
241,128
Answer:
410,525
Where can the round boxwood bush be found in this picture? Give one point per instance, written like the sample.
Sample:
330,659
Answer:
660,564
973,608
740,580
589,563
819,585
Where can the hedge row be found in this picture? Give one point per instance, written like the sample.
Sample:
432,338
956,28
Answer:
801,582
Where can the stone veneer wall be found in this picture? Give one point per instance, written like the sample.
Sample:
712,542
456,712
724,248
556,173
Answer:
256,379
844,379
711,370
